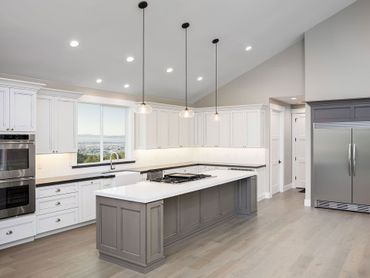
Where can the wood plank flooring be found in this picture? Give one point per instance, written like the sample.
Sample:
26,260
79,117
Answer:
284,240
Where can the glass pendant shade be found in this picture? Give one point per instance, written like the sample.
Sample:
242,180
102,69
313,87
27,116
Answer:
186,113
216,116
143,108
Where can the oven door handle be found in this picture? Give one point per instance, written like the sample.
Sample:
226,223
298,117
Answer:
16,180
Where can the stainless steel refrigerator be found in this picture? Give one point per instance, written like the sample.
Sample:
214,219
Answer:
341,166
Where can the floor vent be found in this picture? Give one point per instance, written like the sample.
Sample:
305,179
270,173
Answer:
342,206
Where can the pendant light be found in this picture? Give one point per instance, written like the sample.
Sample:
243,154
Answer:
216,116
143,108
186,113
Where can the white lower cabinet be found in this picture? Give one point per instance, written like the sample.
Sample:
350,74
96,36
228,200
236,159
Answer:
87,203
17,228
56,220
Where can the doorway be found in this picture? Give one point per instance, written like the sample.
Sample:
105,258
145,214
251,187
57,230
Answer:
277,150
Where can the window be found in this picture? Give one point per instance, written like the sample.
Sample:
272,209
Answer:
101,130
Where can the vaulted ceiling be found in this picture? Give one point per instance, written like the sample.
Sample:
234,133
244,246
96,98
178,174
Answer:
35,36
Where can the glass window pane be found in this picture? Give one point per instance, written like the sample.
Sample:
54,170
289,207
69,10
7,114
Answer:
88,133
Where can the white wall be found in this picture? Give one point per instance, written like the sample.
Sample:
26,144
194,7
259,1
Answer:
338,55
282,75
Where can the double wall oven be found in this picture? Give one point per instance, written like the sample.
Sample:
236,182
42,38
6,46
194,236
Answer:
17,174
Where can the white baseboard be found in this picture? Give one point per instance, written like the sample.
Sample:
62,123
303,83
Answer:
287,187
18,242
307,202
266,195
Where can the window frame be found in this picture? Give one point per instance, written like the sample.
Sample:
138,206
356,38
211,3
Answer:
128,135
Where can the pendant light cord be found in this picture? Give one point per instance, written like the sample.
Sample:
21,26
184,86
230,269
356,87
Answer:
143,61
186,68
216,79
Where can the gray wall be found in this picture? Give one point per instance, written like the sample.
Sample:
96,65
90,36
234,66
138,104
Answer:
282,75
338,55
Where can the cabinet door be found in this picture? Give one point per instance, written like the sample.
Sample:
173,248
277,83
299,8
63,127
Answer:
212,134
173,132
44,130
4,109
225,129
163,129
146,130
186,132
199,130
254,129
238,129
87,203
22,110
65,123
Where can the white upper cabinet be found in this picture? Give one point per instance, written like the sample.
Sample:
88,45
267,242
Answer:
212,130
186,133
199,129
146,130
56,122
239,129
225,129
255,130
4,109
163,129
173,129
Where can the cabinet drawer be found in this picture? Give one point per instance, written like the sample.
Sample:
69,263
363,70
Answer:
56,203
17,229
57,220
56,190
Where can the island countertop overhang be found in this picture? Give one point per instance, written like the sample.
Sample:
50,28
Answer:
147,191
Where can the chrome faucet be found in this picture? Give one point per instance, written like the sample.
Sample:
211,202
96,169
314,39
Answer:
111,159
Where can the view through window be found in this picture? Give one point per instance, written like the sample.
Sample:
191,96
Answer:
101,130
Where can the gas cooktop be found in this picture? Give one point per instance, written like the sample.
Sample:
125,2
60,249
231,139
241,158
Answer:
181,177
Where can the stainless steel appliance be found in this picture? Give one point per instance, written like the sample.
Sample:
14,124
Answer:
17,196
181,177
341,166
17,156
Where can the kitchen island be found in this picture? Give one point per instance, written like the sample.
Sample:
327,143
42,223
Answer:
137,223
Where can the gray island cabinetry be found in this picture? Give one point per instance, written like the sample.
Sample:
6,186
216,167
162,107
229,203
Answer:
135,228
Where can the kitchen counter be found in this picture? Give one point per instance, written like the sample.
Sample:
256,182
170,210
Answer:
148,191
147,169
72,178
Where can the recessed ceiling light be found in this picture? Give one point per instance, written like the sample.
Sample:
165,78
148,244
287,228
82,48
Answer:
74,43
293,98
99,80
248,48
169,70
200,78
126,86
130,59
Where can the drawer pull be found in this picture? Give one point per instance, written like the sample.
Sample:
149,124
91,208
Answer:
58,190
58,220
57,203
8,233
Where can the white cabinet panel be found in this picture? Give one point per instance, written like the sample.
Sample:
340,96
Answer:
163,129
17,228
87,203
225,129
57,220
65,125
212,131
173,132
186,133
238,129
44,130
254,129
22,110
4,109
146,130
199,129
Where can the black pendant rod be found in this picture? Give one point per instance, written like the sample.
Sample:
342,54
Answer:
215,42
143,5
186,26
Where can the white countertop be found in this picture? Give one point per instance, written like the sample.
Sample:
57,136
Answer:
147,191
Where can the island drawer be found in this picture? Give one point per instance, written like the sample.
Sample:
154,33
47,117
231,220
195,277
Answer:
56,203
57,220
56,190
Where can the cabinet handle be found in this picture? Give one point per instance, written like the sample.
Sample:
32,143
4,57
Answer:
58,190
58,220
57,203
8,233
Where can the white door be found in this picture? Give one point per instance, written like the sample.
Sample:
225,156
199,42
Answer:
44,128
276,152
173,129
87,202
4,109
212,138
225,129
238,129
22,110
299,140
65,123
163,124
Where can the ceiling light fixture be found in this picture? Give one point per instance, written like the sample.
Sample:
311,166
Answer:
126,86
74,43
99,80
130,59
248,48
200,78
186,113
293,98
216,115
143,108
169,70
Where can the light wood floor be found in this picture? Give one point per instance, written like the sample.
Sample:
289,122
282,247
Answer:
284,240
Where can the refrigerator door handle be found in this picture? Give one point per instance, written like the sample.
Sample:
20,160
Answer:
349,160
354,159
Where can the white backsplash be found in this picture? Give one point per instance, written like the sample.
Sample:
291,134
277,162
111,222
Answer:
52,165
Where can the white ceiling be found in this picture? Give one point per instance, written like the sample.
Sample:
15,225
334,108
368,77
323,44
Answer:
35,35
